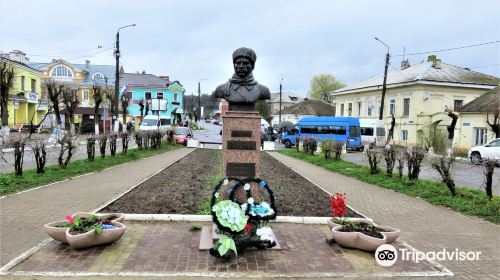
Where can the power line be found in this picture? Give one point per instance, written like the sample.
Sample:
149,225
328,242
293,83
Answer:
89,55
68,52
450,49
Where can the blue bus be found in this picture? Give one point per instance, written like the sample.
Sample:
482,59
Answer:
326,128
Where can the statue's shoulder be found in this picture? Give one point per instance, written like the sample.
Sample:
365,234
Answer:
264,92
220,90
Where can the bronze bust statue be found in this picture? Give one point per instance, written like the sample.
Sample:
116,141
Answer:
242,91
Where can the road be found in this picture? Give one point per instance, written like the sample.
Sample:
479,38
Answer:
466,174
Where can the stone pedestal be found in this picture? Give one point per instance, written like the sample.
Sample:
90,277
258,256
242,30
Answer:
241,144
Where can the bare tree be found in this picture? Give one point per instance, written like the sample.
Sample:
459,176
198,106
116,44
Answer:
110,96
414,157
71,101
40,153
488,169
391,131
443,163
34,127
390,159
125,136
141,109
125,99
495,121
400,158
6,82
374,155
68,145
19,145
103,138
54,93
98,96
91,147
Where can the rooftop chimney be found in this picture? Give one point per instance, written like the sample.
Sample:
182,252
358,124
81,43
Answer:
87,64
19,56
405,64
54,60
436,62
166,78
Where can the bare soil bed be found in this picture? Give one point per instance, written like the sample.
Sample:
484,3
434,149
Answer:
182,187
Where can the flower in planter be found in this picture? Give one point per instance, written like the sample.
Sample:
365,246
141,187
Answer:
262,184
250,200
246,187
226,181
229,214
216,195
70,219
338,206
244,206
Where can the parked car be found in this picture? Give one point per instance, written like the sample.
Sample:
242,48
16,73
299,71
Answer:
150,122
207,120
490,150
182,134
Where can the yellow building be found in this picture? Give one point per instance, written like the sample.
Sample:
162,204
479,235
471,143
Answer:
417,96
26,102
473,125
80,76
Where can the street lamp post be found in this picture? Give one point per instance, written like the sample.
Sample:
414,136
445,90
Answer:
199,98
281,87
384,85
117,75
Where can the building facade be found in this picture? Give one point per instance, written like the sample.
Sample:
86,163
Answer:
473,121
79,76
417,96
305,108
162,96
26,104
287,99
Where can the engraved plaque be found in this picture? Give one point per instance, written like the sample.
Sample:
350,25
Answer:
240,169
241,133
241,145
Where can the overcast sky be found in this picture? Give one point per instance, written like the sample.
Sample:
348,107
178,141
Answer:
294,40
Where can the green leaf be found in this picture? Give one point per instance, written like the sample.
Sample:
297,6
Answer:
226,243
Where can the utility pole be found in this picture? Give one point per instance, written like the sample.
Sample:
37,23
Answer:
281,88
117,77
384,85
199,101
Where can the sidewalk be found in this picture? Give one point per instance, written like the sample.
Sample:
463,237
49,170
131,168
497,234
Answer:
424,226
23,215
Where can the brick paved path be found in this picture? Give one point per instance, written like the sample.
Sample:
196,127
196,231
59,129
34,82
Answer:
23,215
424,226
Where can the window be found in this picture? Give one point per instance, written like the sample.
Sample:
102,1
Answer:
404,135
378,107
164,121
359,109
341,109
61,71
148,95
349,110
367,131
22,83
369,111
406,106
479,136
392,107
33,85
159,95
85,95
309,130
97,76
380,131
457,104
495,143
293,98
354,131
175,97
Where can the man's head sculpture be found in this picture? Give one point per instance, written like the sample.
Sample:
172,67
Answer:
242,91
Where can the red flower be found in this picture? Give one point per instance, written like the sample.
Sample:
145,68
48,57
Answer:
247,228
70,219
337,204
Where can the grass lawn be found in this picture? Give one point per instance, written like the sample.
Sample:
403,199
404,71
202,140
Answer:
467,201
10,183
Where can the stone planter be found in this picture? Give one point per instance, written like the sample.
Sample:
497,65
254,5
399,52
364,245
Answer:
332,224
58,233
360,240
119,216
90,239
357,240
